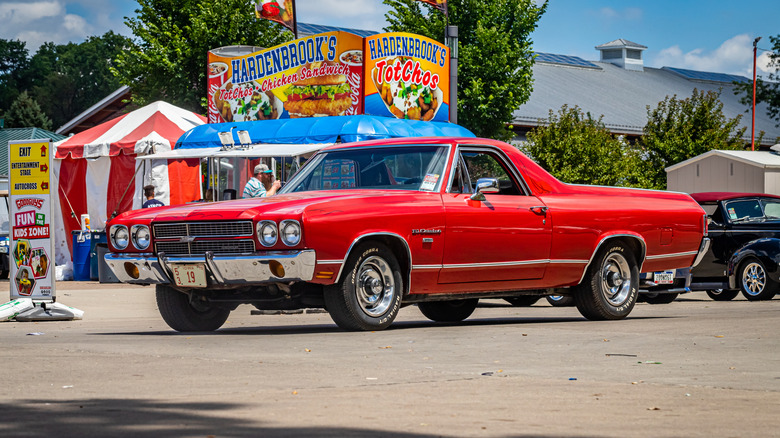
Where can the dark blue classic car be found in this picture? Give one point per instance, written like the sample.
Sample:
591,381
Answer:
744,229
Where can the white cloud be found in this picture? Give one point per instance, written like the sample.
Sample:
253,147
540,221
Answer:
734,56
15,14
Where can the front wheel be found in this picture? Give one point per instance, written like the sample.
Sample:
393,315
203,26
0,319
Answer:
723,294
185,315
369,295
448,311
755,283
610,288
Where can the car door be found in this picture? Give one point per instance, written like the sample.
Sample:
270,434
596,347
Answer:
506,236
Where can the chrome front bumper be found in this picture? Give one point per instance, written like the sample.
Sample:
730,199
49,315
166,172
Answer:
257,268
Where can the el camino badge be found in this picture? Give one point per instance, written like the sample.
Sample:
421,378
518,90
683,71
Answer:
422,231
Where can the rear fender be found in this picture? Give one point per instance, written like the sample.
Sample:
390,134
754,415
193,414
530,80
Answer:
636,245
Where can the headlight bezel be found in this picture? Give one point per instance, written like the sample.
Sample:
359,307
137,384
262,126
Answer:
134,231
114,230
260,229
283,229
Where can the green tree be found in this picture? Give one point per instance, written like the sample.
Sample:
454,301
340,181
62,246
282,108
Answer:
767,91
26,113
679,129
495,56
67,79
577,148
14,64
173,37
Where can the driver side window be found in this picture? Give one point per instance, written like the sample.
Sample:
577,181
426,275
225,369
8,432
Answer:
488,165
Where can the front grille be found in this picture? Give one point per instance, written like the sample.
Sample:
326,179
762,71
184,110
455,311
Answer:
242,246
203,229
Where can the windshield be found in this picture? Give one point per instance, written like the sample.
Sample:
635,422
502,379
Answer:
386,168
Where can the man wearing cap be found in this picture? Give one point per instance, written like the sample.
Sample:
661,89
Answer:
261,184
150,201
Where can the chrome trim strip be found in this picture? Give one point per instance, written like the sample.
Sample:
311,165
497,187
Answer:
426,267
494,264
330,262
672,255
568,262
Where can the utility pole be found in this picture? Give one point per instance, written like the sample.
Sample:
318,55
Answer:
753,127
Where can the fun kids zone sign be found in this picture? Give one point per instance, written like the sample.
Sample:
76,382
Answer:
398,75
30,215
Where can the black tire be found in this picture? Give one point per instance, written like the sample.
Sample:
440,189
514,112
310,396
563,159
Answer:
560,300
754,282
658,298
723,294
448,311
610,288
523,301
369,295
184,316
3,275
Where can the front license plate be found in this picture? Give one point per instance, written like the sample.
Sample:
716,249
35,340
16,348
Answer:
189,275
666,277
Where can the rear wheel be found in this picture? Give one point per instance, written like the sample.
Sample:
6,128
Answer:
523,301
754,281
448,311
659,298
610,288
560,300
723,294
185,315
369,295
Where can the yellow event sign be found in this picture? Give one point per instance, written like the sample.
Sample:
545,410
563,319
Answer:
29,170
30,215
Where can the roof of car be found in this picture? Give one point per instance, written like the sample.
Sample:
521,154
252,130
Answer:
705,197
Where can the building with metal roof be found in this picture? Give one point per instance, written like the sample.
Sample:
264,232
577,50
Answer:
621,88
16,134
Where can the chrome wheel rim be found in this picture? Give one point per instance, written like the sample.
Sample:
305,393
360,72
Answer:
374,286
615,279
753,279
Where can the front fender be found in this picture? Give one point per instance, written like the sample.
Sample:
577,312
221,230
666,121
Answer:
766,250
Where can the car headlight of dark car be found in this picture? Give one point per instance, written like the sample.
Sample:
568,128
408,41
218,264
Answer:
267,233
290,231
140,236
120,237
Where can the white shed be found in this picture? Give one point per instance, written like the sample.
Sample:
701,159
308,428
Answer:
727,171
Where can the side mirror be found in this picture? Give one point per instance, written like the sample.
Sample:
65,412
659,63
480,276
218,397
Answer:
485,185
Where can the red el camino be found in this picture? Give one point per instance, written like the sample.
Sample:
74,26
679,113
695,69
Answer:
366,228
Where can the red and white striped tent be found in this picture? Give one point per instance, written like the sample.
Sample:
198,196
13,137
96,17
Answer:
98,174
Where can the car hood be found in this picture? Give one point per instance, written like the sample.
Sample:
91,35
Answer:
289,205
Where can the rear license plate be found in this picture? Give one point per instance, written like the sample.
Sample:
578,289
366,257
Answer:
666,277
189,275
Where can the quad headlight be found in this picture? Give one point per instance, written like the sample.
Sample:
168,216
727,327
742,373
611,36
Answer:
140,236
119,235
267,233
290,231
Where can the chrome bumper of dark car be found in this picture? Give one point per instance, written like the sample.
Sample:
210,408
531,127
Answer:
257,268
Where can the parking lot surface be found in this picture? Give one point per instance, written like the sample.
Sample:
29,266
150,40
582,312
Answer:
694,367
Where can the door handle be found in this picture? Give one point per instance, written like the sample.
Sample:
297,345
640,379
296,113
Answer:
539,210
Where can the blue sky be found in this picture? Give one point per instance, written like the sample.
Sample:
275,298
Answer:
714,35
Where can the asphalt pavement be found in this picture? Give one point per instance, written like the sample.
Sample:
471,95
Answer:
691,368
